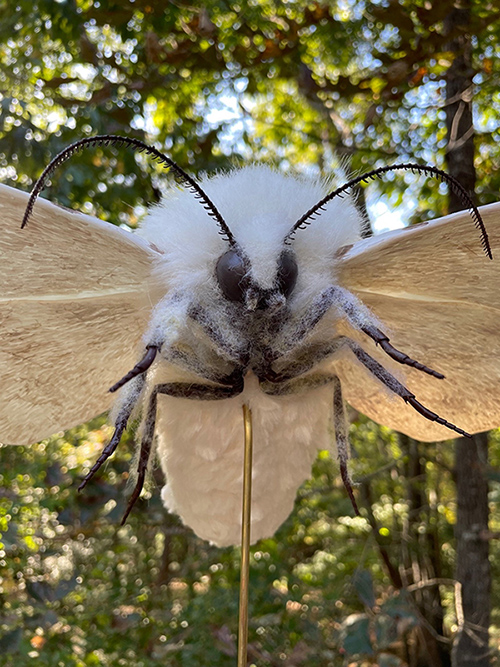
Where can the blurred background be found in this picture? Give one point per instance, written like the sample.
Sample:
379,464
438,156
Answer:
307,86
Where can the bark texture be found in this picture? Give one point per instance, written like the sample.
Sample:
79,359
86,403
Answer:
473,573
459,92
422,560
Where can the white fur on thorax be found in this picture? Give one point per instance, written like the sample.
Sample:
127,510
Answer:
200,443
260,205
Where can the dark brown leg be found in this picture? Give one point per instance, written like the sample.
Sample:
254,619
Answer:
178,390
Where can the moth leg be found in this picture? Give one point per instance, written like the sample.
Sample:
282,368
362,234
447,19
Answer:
381,339
145,452
127,404
167,310
316,311
176,356
320,352
358,315
191,362
342,439
297,385
140,367
131,397
303,363
399,389
226,348
312,356
178,390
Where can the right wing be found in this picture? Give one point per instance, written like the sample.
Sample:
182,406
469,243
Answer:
76,295
438,298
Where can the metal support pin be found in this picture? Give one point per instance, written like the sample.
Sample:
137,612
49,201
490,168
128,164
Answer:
245,539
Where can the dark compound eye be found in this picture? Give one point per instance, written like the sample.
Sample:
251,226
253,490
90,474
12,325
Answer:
287,273
232,277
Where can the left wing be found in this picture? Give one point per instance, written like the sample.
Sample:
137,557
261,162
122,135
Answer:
75,297
438,297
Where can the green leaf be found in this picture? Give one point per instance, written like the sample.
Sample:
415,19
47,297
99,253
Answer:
44,592
363,583
356,635
10,641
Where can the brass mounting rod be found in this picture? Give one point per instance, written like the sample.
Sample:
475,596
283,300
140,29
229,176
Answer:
245,539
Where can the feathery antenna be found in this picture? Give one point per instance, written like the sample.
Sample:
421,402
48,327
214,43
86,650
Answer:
455,185
141,147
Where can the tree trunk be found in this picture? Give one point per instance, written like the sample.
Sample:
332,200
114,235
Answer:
472,567
470,648
460,130
422,560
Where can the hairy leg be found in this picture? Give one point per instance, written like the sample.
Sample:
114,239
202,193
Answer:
298,385
189,361
342,439
387,379
136,379
127,403
145,452
319,353
176,356
301,363
178,390
358,315
227,349
141,367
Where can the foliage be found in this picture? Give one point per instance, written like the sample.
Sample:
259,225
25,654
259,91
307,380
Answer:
79,590
306,85
298,81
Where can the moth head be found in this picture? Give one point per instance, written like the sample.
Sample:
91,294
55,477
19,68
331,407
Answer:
236,284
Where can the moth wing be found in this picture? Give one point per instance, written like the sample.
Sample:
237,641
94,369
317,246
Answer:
75,299
437,296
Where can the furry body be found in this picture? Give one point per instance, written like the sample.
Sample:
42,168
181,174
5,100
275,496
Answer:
200,447
200,443
67,333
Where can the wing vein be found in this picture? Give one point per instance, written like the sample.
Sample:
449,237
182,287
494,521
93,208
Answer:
406,296
102,294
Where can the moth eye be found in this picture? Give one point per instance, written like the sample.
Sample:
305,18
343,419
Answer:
287,273
231,274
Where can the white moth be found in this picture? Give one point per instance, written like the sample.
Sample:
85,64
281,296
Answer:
279,315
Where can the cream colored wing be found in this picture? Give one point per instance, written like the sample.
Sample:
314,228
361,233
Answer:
74,301
438,297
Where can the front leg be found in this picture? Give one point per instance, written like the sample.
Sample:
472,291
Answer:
293,367
342,439
298,385
123,409
200,392
136,378
188,360
394,385
360,317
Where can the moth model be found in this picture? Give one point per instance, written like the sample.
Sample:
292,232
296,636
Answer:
250,287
